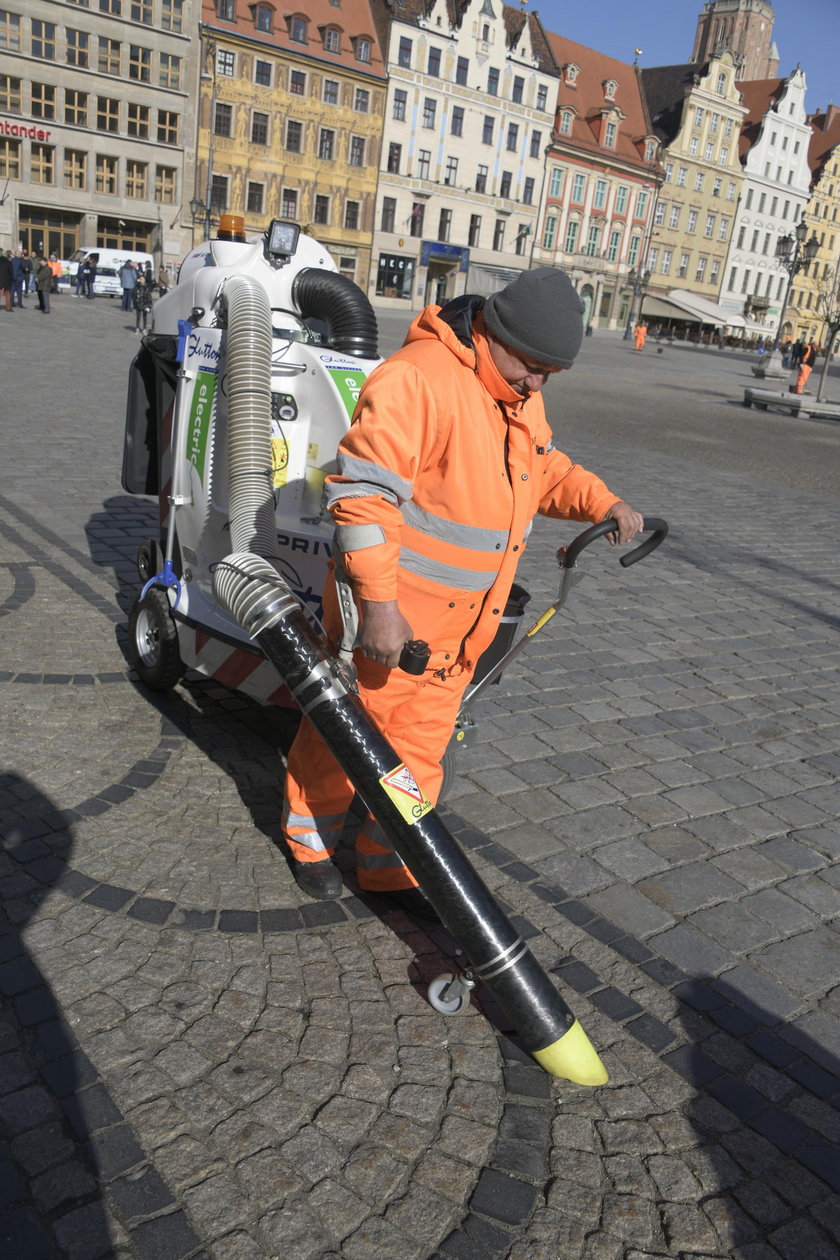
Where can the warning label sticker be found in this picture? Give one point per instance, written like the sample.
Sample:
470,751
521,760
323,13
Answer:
404,792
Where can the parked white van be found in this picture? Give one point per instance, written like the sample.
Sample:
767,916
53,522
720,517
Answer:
107,282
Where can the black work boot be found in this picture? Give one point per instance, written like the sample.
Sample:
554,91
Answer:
318,879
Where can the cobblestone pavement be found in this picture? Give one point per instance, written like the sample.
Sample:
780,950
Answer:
195,1061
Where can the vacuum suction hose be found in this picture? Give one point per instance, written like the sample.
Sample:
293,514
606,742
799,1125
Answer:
248,385
344,308
262,602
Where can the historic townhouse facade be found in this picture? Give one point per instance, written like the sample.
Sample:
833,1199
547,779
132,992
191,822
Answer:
774,152
822,214
696,112
97,125
602,173
290,121
471,100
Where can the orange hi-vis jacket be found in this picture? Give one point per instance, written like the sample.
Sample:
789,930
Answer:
445,465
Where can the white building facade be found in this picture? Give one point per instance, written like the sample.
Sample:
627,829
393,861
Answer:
470,107
773,196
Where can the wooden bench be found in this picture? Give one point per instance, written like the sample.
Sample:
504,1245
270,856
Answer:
796,404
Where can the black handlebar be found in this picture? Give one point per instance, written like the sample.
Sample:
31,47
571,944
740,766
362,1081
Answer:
657,528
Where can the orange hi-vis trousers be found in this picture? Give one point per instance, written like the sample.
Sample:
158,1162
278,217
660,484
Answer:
416,715
802,378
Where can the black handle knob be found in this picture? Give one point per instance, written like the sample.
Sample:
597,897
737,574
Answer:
415,656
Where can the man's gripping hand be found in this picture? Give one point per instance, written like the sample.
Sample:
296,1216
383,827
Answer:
383,632
629,522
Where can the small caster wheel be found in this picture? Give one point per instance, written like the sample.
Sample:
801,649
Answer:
153,641
450,994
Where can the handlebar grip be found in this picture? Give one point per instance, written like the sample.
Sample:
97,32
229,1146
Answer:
415,656
653,524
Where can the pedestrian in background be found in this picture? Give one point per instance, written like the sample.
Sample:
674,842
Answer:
806,366
18,278
142,303
640,335
55,268
43,281
128,280
164,280
6,279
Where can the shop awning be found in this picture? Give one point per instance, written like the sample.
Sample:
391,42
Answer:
702,309
660,308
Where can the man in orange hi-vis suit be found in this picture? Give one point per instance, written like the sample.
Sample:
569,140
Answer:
806,366
447,461
640,335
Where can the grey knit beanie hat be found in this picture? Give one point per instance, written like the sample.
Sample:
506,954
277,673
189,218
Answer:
540,314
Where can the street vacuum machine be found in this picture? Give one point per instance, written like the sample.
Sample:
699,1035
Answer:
237,401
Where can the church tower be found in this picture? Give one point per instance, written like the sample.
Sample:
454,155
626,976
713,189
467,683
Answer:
745,28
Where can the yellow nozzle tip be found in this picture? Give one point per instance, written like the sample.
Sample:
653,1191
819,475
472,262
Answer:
573,1058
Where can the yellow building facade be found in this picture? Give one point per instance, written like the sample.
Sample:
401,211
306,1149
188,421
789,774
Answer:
805,311
289,125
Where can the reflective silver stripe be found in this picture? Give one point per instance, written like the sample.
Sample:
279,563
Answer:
358,537
378,861
508,958
367,478
324,822
310,840
526,533
445,574
469,536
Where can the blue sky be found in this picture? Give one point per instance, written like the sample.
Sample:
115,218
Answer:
806,31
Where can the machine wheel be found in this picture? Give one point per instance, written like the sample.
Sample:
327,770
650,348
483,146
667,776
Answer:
146,560
153,641
453,1003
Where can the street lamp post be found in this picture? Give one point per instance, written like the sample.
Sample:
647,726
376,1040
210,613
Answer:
639,280
792,254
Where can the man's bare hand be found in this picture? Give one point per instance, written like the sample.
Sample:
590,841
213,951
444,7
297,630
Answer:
383,631
629,522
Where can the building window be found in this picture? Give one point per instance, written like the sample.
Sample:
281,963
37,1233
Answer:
43,46
517,89
263,73
330,96
141,11
135,178
698,116
674,217
715,122
139,63
361,101
259,128
457,120
434,63
528,191
326,144
709,229
356,156
724,156
42,164
451,174
418,214
225,63
9,31
499,236
492,82
600,199
288,203
612,248
536,144
692,146
109,56
113,7
692,221
166,184
572,229
593,240
610,133
43,100
633,251
170,71
297,30
652,258
716,187
394,158
555,181
444,225
321,212
481,179
730,191
487,129
667,255
10,99
566,119
107,114
223,120
255,198
428,112
723,230
400,103
461,71
621,199
709,152
550,232
167,127
331,40
78,49
578,188
682,175
713,275
263,18
297,83
219,192
699,180
294,136
424,159
659,214
682,270
389,214
512,137
106,174
650,150
542,97
721,84
363,50
474,233
138,121
641,204
75,169
669,171
404,53
700,274
172,15
520,241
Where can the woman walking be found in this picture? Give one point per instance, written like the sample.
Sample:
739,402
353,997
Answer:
142,303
